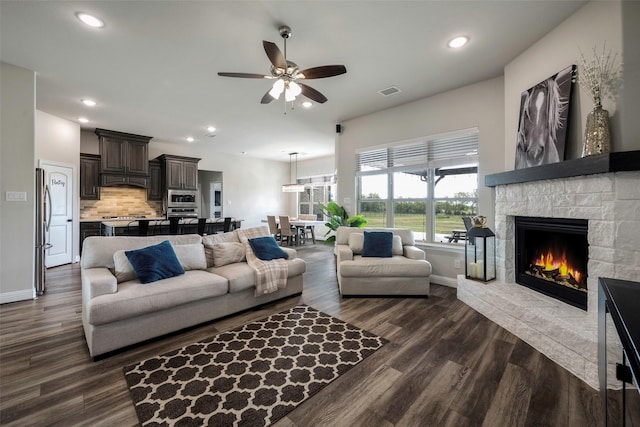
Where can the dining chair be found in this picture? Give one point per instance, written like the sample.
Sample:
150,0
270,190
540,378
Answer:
308,231
138,227
288,232
468,225
273,227
227,224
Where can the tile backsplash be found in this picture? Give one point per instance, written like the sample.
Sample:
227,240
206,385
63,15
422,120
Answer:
120,201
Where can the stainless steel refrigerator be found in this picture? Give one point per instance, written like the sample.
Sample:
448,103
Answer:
43,219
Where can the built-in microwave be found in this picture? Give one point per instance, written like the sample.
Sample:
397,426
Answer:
182,198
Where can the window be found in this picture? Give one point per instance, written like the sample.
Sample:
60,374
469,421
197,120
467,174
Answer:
318,190
425,185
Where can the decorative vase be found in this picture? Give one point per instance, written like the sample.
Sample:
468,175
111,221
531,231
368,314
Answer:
597,138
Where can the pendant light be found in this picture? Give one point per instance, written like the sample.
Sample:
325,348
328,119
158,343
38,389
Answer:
295,187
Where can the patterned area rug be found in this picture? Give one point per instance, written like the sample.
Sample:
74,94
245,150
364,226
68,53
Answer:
250,376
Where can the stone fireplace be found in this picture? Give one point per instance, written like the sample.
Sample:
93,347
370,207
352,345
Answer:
599,191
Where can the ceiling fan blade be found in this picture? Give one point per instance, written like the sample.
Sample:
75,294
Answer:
322,72
313,94
275,55
267,98
245,75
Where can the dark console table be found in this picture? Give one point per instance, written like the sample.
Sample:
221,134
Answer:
620,299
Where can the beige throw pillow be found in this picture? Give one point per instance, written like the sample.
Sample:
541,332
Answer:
191,257
397,245
228,253
123,269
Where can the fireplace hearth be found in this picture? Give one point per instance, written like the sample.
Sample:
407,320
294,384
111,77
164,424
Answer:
551,257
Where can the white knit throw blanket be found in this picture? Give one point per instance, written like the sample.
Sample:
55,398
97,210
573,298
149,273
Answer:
270,275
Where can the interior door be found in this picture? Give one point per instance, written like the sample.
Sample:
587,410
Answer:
59,214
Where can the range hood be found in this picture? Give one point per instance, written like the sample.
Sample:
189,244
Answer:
124,159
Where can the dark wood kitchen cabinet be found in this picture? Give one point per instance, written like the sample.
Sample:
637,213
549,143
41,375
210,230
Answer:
123,154
89,176
180,173
89,228
155,191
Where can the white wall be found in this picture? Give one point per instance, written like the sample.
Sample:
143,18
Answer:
17,219
58,140
630,102
592,25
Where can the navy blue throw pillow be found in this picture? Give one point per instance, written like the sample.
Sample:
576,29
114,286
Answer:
266,248
155,262
378,244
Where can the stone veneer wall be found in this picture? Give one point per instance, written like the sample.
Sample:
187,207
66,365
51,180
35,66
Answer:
611,204
120,201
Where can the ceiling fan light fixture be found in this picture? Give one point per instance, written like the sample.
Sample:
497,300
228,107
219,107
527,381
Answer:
277,89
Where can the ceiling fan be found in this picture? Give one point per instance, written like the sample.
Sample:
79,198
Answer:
287,75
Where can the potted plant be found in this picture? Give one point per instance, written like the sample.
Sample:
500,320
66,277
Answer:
337,217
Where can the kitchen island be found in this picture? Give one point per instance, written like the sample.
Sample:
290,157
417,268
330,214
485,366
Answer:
160,226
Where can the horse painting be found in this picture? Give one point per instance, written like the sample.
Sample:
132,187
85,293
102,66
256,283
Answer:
543,120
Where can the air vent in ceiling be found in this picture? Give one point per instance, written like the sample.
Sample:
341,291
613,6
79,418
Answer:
389,91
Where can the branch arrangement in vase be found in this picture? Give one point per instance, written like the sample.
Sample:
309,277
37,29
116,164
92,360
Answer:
600,76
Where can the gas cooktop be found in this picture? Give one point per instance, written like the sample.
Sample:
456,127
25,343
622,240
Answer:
124,217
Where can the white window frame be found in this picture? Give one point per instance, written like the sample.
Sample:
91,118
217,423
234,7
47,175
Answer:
445,150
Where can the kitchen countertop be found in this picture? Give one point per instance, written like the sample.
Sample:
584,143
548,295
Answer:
163,221
160,218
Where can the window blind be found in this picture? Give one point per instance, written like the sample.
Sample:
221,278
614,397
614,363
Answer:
432,153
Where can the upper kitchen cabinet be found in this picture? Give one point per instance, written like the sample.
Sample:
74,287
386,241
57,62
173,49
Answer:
124,158
180,173
89,176
155,190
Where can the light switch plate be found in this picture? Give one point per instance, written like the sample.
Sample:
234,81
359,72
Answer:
16,196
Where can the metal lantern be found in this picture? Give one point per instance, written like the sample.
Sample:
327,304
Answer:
480,254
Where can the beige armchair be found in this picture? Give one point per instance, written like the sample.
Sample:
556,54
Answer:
406,272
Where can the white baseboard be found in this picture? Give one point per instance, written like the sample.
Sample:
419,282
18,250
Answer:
451,282
6,297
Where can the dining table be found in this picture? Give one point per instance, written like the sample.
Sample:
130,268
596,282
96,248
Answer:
301,224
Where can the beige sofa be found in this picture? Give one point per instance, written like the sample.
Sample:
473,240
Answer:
406,273
115,315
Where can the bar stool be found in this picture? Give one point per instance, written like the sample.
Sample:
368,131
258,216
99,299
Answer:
202,224
174,225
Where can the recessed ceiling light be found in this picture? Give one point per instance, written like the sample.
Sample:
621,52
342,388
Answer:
190,139
83,120
211,129
90,20
307,104
88,102
458,42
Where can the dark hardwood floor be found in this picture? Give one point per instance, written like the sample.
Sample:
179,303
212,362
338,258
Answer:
444,364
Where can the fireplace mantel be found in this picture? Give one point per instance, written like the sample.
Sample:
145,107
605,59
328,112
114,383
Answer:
591,165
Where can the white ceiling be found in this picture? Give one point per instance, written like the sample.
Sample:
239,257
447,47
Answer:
153,67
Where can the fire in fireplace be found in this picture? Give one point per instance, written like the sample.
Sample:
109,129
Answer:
551,257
